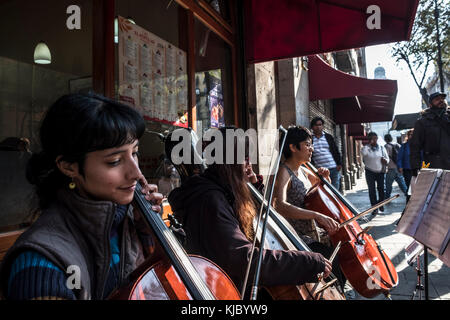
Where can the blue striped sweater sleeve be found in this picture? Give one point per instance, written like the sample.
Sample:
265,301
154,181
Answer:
32,276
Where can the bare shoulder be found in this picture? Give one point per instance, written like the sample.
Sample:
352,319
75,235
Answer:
283,175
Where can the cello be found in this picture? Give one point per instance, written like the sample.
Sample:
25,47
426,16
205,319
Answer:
169,273
281,236
365,265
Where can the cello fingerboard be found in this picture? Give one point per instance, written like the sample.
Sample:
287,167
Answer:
173,249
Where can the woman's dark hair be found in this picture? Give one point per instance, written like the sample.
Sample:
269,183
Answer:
295,135
73,126
314,120
234,177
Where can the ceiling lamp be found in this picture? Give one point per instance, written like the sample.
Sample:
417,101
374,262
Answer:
42,54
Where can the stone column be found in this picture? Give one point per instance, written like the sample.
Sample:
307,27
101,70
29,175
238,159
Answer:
345,174
261,97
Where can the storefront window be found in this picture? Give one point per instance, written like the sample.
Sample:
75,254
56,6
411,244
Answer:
213,84
28,88
151,76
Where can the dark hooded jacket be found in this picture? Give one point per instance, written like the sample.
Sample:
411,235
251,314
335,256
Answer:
76,231
432,138
205,207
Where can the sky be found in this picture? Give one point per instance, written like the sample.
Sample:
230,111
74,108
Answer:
408,96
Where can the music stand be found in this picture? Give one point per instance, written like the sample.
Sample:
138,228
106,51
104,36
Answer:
426,217
412,254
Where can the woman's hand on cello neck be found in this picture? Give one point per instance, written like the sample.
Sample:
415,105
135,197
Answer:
251,175
324,172
151,194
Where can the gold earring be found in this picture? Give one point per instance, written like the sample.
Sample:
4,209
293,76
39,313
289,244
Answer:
72,185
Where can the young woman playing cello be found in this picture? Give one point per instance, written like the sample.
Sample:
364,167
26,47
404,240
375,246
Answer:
85,177
217,212
292,185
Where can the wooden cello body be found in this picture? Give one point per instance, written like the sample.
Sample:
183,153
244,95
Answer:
160,281
368,269
169,273
281,236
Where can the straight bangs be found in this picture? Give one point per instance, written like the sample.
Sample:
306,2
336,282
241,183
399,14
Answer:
112,126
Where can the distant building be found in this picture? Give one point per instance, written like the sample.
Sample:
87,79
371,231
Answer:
382,128
379,72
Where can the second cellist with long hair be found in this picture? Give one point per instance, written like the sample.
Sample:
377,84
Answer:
217,212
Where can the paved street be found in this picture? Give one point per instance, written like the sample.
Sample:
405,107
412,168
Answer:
394,244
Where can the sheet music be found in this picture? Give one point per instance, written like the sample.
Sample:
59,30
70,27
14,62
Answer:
435,224
413,213
427,217
445,257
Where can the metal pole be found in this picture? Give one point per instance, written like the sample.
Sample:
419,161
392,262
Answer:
425,268
438,40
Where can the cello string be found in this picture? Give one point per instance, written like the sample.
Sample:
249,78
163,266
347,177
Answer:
173,249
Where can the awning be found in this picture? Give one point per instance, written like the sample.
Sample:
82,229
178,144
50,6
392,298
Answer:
355,99
355,129
285,28
404,121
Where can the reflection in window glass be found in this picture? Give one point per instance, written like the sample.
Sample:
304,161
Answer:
27,88
221,7
213,87
151,76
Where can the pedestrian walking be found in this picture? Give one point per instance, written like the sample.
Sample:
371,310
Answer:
432,135
375,160
326,153
403,163
392,174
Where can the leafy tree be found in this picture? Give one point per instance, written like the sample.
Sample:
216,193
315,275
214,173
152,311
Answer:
421,51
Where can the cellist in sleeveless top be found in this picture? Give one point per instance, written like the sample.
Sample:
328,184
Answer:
88,238
292,184
217,212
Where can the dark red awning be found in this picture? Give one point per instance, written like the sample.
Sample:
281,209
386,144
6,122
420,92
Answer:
355,129
355,99
286,28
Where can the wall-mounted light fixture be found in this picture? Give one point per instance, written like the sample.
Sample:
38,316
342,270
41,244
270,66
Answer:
42,54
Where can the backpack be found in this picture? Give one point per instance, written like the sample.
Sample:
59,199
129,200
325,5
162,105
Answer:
394,150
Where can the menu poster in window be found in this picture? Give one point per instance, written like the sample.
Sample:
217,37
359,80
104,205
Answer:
152,75
128,94
215,99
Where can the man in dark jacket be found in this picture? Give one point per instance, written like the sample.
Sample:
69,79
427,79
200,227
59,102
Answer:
432,135
326,153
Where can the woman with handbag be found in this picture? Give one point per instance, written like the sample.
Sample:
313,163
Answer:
376,159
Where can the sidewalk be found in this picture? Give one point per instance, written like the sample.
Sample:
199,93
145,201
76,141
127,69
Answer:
394,244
